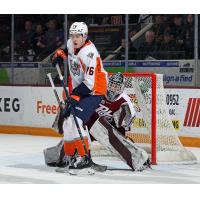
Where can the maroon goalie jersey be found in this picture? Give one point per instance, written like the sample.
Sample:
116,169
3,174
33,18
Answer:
108,108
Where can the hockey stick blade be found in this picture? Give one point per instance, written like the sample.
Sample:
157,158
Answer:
98,168
85,171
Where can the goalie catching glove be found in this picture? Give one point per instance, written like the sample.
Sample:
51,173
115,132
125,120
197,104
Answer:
123,117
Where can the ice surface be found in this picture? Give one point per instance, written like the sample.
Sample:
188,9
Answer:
21,161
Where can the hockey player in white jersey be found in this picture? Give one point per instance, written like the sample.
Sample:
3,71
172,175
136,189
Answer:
89,82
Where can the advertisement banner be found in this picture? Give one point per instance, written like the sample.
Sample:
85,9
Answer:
175,72
184,109
28,106
37,107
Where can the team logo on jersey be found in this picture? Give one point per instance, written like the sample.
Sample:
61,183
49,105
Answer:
105,111
90,55
75,68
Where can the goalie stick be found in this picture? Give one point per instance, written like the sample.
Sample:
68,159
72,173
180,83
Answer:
96,167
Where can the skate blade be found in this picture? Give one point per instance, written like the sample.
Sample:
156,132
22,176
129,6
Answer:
62,170
80,172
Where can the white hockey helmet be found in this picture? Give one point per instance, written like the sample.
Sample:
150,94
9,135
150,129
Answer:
79,28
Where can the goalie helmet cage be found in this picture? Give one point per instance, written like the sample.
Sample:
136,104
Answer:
152,129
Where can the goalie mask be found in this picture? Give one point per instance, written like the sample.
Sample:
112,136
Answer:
115,86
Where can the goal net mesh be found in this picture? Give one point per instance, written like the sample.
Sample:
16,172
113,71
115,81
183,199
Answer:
168,146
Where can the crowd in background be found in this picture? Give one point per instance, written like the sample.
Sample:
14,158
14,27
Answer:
36,36
171,37
37,42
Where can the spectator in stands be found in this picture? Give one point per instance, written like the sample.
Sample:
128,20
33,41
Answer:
52,35
158,29
148,49
24,43
167,20
167,47
27,35
189,37
39,41
178,32
131,49
105,20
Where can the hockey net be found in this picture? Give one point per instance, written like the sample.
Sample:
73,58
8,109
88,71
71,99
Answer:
152,129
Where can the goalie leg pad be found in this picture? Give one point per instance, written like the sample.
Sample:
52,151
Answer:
115,142
54,156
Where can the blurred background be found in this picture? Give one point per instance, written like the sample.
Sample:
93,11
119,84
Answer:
167,44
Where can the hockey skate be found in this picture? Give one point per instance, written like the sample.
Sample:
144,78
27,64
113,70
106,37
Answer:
63,167
81,166
80,162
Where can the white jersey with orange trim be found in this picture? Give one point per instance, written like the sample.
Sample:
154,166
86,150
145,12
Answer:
86,66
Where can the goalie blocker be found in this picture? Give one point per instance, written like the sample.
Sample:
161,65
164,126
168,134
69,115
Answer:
135,157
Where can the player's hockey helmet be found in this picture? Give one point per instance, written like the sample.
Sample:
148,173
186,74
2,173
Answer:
115,86
79,28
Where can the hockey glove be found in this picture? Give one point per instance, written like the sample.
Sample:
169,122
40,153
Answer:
73,100
59,57
60,53
65,113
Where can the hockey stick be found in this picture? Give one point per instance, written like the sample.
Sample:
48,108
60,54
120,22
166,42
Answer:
72,109
54,89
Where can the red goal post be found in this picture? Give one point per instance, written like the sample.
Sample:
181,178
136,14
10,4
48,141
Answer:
153,107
